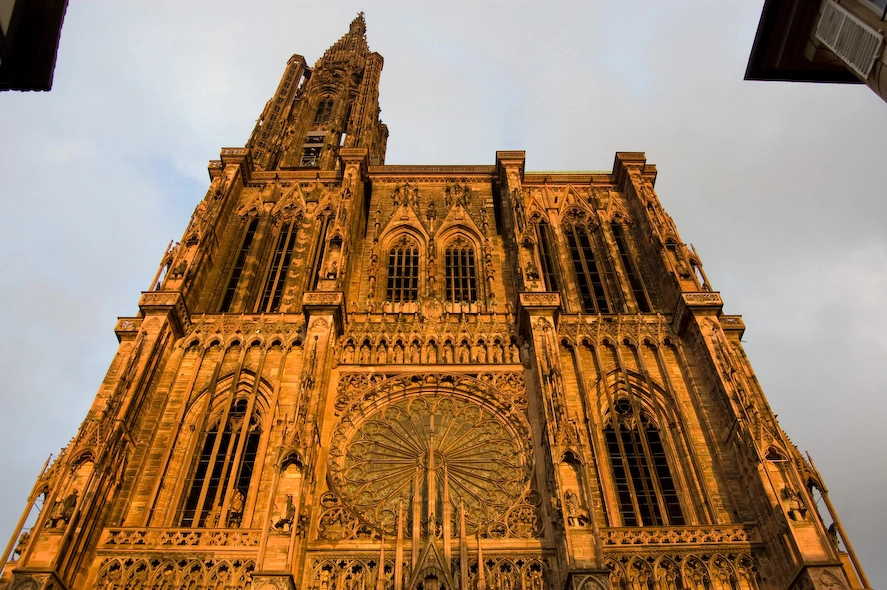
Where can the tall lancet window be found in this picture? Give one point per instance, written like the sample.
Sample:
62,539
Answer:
546,256
324,110
403,271
461,283
239,264
275,281
631,271
588,275
219,482
644,486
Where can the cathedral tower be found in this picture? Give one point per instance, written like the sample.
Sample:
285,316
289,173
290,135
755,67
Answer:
357,376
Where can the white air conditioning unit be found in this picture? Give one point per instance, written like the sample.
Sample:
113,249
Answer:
856,43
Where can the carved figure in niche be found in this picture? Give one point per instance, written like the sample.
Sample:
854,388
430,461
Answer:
377,222
63,510
536,579
23,543
365,354
432,272
431,354
372,272
414,196
431,214
531,272
448,352
381,354
235,510
398,353
525,354
448,196
332,270
679,254
480,353
414,352
348,357
324,580
350,177
395,196
285,522
794,504
464,354
575,515
179,271
832,533
514,353
498,353
517,203
212,518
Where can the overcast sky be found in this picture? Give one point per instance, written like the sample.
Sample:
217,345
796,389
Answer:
779,186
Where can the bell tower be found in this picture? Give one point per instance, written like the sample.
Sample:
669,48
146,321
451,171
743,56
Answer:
315,112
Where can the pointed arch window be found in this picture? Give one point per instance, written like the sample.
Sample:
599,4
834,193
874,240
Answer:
461,281
588,276
634,277
219,483
239,263
644,485
546,256
280,263
403,271
324,110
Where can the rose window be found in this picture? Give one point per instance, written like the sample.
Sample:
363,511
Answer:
427,457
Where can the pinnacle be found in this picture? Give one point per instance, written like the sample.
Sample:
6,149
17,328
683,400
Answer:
354,39
358,25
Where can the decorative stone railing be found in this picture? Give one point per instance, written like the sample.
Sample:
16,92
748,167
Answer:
164,539
675,536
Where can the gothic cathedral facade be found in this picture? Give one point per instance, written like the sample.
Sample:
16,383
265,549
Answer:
357,376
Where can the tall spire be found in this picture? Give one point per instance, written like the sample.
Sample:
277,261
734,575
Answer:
352,44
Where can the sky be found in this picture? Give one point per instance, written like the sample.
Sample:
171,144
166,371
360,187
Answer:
779,186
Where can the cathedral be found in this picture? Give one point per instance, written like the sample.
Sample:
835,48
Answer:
357,376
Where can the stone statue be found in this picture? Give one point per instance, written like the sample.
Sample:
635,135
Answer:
285,522
23,543
332,270
525,354
448,353
794,504
498,354
62,511
575,515
480,353
235,509
212,518
531,272
179,270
